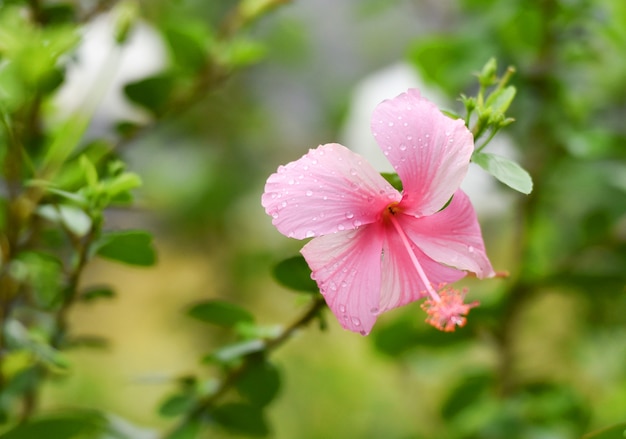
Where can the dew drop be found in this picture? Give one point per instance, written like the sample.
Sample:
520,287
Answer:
342,308
402,147
333,286
353,171
470,249
386,153
390,124
309,193
409,137
427,136
309,234
291,181
375,310
349,215
284,204
340,227
275,215
305,167
344,283
356,321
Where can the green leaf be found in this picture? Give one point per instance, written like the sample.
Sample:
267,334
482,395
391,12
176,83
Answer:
500,100
241,418
617,431
130,247
259,383
152,93
393,179
71,425
505,170
220,313
295,274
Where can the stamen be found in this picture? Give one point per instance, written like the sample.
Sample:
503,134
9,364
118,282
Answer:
449,312
445,310
420,271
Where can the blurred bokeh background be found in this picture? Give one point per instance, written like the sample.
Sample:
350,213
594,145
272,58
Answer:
545,354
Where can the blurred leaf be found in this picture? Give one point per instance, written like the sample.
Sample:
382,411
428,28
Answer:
187,48
241,418
445,60
130,247
294,273
505,170
43,272
393,179
71,217
259,383
406,333
188,430
230,353
71,425
152,93
466,393
240,52
617,431
177,404
96,293
220,313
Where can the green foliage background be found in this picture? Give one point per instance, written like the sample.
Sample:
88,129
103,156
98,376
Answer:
201,332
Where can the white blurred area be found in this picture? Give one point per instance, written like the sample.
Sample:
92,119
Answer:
487,197
96,78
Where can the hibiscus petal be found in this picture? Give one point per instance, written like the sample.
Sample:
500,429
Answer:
451,237
401,282
329,189
346,267
429,151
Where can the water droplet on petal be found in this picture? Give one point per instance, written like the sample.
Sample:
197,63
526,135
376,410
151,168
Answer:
402,147
356,321
390,124
470,249
409,137
275,215
349,215
340,227
353,171
309,193
357,223
386,153
291,181
284,204
375,310
342,308
310,234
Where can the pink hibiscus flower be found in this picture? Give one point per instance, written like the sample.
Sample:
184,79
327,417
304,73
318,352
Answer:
375,248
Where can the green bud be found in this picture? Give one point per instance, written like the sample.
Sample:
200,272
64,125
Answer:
487,76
